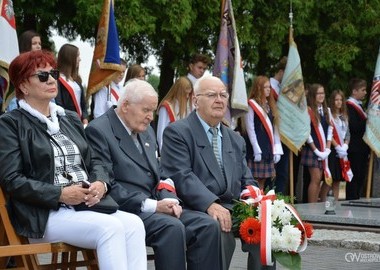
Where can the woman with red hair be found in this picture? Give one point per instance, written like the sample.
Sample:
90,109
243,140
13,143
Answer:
262,123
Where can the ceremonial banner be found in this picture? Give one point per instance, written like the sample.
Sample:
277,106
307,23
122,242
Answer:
372,132
294,118
106,60
8,50
228,63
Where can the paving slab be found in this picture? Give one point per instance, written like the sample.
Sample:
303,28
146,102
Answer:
345,214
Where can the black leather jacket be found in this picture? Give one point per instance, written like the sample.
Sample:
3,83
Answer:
27,168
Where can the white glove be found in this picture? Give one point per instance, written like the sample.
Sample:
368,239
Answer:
345,147
276,158
327,152
339,148
318,154
342,153
322,155
257,158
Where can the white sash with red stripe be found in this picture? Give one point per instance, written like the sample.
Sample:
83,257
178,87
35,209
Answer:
170,111
264,118
72,95
113,93
344,162
275,88
321,136
274,93
354,103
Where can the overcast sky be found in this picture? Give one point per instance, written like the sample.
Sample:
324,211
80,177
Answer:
86,53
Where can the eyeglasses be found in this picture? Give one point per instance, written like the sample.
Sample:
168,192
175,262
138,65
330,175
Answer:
43,76
214,95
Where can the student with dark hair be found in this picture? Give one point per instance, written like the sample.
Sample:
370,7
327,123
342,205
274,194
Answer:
339,168
281,167
275,81
197,67
314,156
358,150
70,90
29,41
135,71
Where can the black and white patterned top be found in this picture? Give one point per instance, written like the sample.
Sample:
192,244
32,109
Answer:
66,151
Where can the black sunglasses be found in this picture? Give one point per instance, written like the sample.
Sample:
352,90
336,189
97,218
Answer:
43,76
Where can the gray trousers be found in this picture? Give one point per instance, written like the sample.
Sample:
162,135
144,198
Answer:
228,247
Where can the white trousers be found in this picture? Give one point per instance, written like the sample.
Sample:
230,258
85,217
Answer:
119,238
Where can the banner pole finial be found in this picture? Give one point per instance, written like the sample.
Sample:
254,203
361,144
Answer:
291,14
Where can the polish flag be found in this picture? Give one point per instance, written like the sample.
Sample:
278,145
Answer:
9,43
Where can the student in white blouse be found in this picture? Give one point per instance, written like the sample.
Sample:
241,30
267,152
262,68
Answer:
177,104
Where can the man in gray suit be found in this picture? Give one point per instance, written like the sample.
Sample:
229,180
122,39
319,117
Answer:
208,167
124,140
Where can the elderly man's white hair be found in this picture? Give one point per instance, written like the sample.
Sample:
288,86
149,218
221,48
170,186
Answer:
135,90
198,83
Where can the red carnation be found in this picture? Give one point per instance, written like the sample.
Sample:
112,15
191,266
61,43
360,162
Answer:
250,231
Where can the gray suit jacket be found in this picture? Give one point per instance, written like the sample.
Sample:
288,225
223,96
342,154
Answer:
187,158
133,176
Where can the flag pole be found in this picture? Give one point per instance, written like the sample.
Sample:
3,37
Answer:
370,174
222,2
291,173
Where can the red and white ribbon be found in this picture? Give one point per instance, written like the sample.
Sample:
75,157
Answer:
266,233
252,195
167,184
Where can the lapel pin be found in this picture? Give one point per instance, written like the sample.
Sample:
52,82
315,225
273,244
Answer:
147,144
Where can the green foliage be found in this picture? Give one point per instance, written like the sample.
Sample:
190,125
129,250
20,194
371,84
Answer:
154,80
240,212
336,40
288,260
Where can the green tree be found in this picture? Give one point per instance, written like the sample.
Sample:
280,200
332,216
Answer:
336,40
154,80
